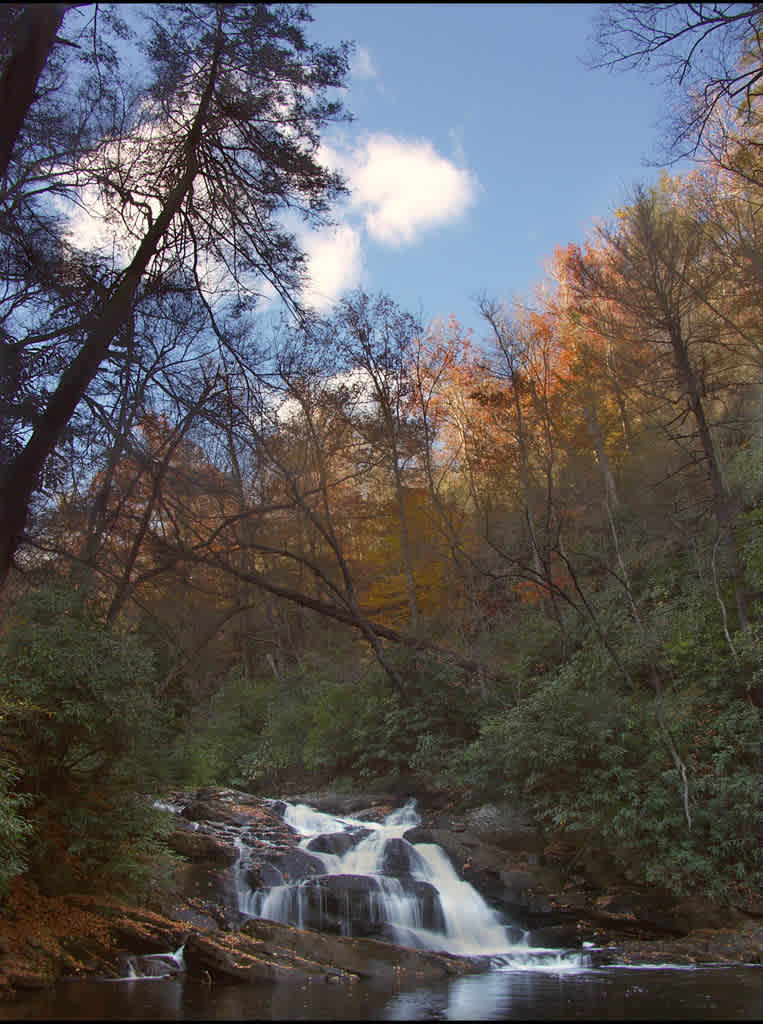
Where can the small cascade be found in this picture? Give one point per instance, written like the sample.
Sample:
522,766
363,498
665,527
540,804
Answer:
153,965
363,878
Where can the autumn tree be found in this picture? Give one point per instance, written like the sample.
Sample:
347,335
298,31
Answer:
373,338
658,266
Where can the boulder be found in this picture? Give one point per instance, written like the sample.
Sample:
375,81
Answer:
337,843
295,864
555,936
261,875
505,825
347,804
212,810
360,905
141,931
398,859
243,958
202,846
418,834
367,958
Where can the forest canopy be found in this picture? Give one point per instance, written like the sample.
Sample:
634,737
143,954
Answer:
363,546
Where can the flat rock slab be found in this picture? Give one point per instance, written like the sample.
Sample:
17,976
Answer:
269,951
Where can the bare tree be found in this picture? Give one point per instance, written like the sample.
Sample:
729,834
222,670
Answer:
225,136
698,47
30,35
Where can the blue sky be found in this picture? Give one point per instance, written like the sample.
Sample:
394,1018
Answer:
480,142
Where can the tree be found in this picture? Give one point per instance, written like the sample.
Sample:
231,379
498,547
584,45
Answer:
224,138
374,338
658,268
31,35
83,723
698,48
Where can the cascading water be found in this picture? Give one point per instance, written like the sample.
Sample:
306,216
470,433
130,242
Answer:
363,878
153,965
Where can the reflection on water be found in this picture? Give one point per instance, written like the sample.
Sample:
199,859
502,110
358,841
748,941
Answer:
603,994
713,993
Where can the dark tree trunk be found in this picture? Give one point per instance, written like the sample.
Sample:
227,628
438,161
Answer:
21,477
35,37
721,506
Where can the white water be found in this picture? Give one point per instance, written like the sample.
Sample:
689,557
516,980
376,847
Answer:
471,927
154,966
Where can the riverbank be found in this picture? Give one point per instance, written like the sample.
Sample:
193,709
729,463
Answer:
44,939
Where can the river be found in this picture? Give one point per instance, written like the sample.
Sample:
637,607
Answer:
523,982
706,993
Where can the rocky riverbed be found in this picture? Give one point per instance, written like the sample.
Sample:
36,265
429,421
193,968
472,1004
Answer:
540,885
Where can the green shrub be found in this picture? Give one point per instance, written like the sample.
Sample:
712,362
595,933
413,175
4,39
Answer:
15,830
592,759
87,727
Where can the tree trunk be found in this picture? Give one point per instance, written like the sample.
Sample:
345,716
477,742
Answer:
721,505
21,476
594,429
405,542
35,37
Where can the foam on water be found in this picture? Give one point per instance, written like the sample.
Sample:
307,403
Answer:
471,927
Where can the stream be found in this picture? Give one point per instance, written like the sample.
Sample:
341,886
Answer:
362,878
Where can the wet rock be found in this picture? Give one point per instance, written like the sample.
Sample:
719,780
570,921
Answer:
555,936
262,875
356,904
194,918
151,965
247,959
337,843
398,859
703,946
140,931
368,958
428,898
212,810
202,846
346,804
377,813
295,864
418,834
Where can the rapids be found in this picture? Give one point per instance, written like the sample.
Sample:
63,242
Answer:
383,885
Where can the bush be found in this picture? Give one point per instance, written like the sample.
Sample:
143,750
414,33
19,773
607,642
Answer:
592,758
86,725
14,828
319,721
214,737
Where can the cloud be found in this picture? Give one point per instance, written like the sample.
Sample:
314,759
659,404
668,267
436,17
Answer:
335,264
404,188
362,65
400,189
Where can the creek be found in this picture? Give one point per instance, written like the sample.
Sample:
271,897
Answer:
365,878
355,877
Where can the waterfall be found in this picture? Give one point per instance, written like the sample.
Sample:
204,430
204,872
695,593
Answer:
153,966
363,878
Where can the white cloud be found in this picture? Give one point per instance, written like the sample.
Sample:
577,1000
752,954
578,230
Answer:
335,264
400,189
404,187
357,384
362,65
